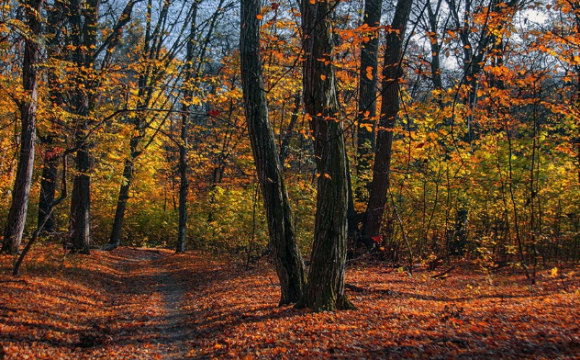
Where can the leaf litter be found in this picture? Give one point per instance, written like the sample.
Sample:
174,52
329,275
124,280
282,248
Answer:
152,304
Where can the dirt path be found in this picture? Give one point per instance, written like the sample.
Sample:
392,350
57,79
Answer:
160,294
172,327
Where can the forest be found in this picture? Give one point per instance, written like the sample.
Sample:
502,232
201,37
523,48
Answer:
289,179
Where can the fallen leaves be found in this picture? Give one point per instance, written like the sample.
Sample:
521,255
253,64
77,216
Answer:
122,304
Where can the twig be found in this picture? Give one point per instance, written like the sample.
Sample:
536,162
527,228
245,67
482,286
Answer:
14,281
360,289
355,288
443,273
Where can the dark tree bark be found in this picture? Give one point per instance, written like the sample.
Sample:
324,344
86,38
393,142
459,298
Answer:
435,45
48,185
83,20
389,109
115,239
367,101
56,15
184,136
183,186
80,231
289,264
325,290
20,195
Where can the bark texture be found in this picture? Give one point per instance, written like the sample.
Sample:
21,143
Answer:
20,195
389,109
115,239
367,102
83,19
55,18
48,185
325,290
289,264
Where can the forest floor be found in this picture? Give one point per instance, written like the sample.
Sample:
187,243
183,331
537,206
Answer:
151,304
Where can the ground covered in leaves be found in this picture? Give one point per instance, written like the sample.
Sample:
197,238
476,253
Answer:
152,304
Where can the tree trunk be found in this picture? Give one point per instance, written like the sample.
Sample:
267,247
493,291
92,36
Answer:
55,17
184,135
325,290
389,110
435,46
183,189
289,264
84,37
48,185
80,231
115,239
367,101
18,209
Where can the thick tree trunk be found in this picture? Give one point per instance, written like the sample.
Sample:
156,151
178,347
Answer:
389,109
289,264
20,195
325,289
367,101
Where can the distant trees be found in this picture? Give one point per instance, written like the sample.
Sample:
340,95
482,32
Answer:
392,72
457,120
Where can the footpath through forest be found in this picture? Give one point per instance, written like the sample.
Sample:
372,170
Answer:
152,304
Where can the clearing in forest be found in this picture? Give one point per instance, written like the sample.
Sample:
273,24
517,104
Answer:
152,304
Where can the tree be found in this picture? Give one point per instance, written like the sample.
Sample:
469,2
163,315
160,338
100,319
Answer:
389,110
325,289
367,98
83,17
28,106
54,34
289,264
155,63
83,20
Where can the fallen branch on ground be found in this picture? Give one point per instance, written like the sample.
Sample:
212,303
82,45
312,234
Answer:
360,289
443,273
14,281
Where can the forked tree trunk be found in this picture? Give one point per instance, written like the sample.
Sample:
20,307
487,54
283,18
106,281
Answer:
289,264
17,214
389,109
325,290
